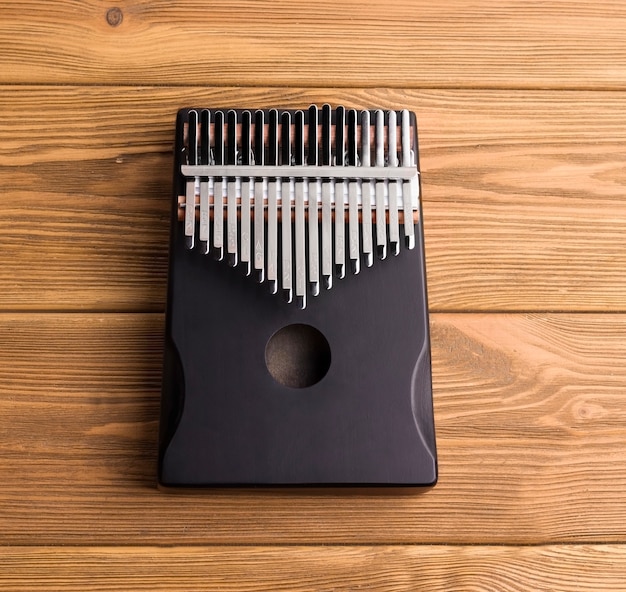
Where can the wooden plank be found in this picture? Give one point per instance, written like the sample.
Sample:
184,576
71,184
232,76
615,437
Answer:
522,193
530,429
297,569
405,44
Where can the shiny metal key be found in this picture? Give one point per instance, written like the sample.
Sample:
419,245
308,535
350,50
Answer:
327,191
272,205
190,186
353,198
340,214
285,223
259,190
299,226
312,207
204,234
366,191
231,192
392,158
246,153
381,215
218,190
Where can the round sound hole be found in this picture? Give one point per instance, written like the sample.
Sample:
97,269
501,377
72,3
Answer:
297,356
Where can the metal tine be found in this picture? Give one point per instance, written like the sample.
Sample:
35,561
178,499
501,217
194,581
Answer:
366,190
409,228
259,183
353,198
272,204
246,149
286,243
381,230
300,228
205,206
190,188
314,242
327,191
218,191
392,158
231,191
340,221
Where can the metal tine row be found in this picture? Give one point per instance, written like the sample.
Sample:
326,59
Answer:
306,258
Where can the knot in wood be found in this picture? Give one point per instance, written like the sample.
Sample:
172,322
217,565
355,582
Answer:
115,16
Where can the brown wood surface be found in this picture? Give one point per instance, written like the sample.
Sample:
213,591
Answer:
522,115
401,43
567,568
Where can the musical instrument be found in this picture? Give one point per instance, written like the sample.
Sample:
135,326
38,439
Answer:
297,348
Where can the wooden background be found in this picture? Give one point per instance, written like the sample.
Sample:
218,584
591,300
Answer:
522,113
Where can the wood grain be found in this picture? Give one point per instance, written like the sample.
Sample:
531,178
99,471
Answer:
522,194
405,44
530,429
567,568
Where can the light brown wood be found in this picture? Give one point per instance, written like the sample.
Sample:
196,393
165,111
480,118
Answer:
567,568
403,43
522,194
529,416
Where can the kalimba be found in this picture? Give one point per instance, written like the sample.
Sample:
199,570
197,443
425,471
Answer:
297,347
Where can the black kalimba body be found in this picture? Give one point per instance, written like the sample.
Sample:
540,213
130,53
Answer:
297,346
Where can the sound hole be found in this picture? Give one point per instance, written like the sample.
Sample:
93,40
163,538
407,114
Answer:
297,356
